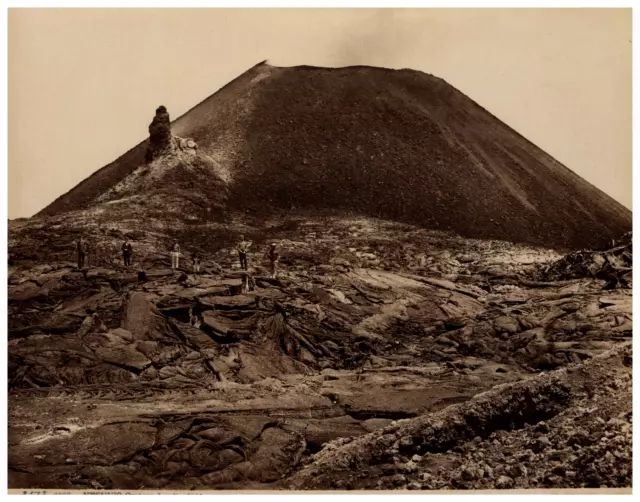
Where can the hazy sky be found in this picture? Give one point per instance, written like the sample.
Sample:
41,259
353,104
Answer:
84,84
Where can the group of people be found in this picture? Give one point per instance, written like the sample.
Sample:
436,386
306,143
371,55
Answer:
243,246
271,254
82,252
175,258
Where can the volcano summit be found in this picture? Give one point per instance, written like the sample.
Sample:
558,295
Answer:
394,144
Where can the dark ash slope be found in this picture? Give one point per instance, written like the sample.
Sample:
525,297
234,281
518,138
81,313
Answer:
396,144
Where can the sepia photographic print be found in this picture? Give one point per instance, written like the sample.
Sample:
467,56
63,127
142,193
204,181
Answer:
324,250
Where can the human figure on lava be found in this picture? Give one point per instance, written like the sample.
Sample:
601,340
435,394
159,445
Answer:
243,248
273,256
127,252
196,262
81,250
175,256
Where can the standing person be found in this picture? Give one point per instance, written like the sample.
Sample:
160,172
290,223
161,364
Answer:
196,263
80,251
127,251
175,256
243,247
85,252
274,257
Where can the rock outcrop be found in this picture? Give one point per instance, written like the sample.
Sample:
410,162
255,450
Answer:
614,265
160,139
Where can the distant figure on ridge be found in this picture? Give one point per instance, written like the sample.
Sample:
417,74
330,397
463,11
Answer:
274,257
243,247
82,249
127,251
196,263
175,256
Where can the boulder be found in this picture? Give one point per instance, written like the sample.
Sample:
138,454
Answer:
516,297
142,319
99,273
207,458
216,323
190,293
506,324
149,348
220,435
169,431
227,302
124,356
372,424
123,334
23,292
504,482
193,336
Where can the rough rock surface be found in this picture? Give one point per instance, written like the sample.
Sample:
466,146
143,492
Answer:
558,430
383,356
613,265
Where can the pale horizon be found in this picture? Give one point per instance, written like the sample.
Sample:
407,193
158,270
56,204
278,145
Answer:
84,83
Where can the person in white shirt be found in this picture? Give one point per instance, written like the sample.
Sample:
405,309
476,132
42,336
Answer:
273,256
196,263
175,256
243,247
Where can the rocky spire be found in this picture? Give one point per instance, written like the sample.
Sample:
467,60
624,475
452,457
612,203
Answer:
160,141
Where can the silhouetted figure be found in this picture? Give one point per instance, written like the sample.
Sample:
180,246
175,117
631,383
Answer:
127,252
82,249
196,263
175,256
273,256
243,247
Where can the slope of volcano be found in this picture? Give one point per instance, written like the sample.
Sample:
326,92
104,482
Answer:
396,144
